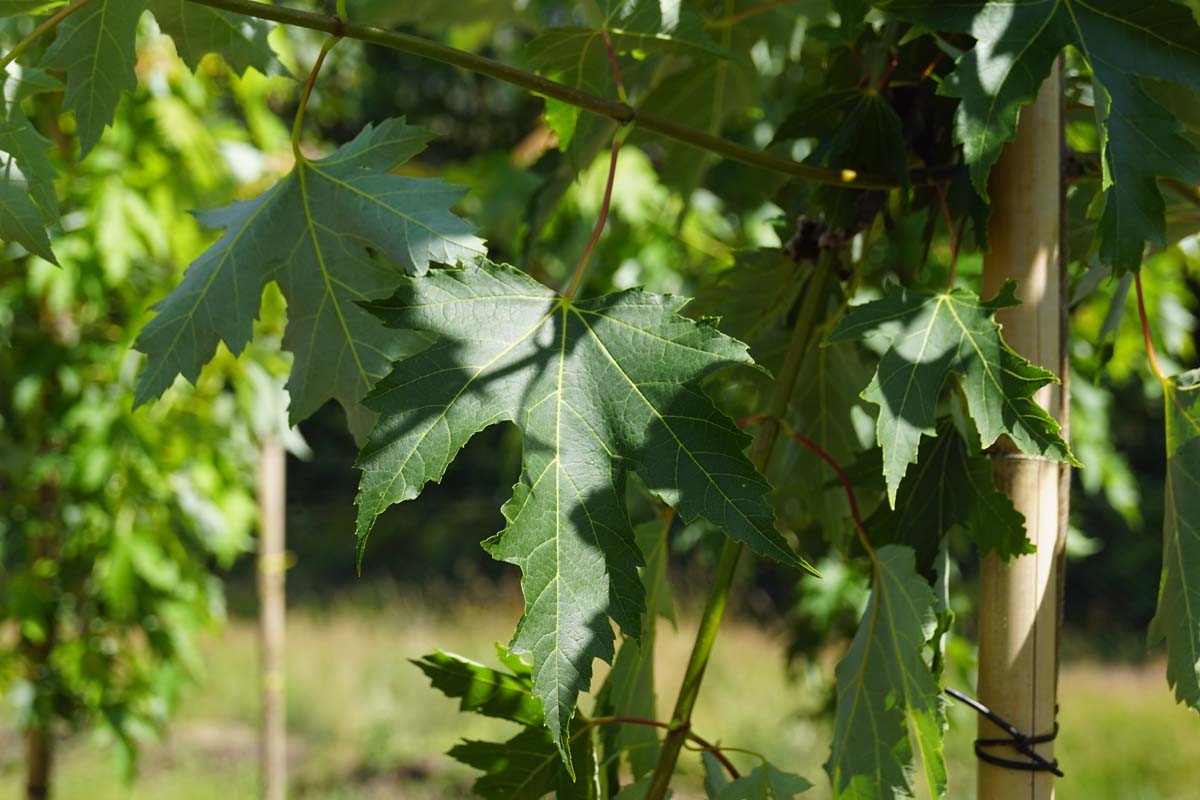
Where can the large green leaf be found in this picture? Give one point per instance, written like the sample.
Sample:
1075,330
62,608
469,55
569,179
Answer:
885,691
1178,616
312,233
528,767
599,388
951,485
932,336
96,49
1016,45
197,30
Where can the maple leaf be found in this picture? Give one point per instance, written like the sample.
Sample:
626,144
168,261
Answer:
95,47
885,689
950,486
857,130
765,782
197,30
312,233
599,388
526,767
1177,619
930,337
1016,46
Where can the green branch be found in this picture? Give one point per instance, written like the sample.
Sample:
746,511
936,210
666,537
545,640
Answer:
621,112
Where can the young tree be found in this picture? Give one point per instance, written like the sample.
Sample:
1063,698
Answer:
877,127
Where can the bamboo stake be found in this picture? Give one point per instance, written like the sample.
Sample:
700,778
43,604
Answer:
1017,605
271,618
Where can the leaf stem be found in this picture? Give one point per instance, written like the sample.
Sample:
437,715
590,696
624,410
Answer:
1151,355
954,237
49,24
704,745
618,137
308,87
722,581
621,112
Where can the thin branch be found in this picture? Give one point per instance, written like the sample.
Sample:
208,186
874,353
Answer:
1151,355
48,25
621,112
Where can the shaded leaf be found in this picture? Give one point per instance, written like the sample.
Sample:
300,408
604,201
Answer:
857,129
930,337
1016,45
764,783
528,767
95,47
1177,619
598,387
885,690
950,486
310,233
483,690
198,30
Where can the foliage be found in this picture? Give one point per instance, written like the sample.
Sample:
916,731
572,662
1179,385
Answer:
894,114
114,520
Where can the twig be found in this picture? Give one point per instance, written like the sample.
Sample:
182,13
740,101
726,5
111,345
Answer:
1151,355
48,25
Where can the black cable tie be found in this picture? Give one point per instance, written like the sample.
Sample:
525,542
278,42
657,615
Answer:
1021,742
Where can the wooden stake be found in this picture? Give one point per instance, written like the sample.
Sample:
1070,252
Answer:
271,618
1018,601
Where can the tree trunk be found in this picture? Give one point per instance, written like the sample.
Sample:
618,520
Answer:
272,609
39,756
1018,615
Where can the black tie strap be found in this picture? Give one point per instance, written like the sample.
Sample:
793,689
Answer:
1022,743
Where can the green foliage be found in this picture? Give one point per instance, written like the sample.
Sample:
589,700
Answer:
1123,43
396,311
576,378
930,337
1178,617
324,216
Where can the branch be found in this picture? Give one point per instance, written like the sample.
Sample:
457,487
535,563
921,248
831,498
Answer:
621,112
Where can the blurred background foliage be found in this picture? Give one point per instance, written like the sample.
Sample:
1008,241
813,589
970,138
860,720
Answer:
124,529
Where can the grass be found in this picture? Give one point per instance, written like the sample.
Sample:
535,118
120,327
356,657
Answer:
364,724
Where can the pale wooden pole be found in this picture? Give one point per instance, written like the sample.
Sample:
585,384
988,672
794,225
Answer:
1018,614
271,617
